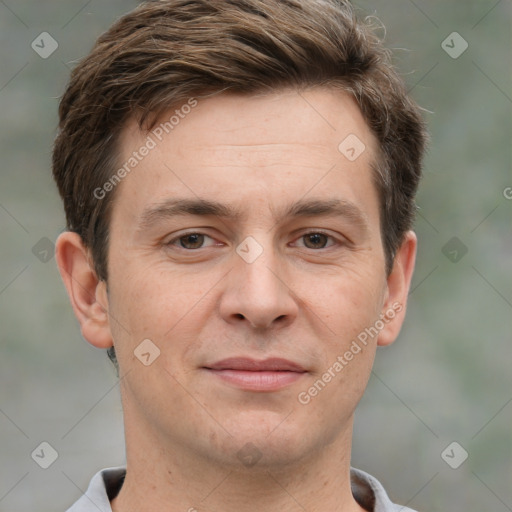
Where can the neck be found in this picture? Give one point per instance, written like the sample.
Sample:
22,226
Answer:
157,479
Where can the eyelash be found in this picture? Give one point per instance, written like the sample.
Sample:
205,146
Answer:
176,240
334,240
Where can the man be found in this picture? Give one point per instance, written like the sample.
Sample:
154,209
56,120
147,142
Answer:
239,180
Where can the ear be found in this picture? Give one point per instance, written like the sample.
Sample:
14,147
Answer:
88,295
398,283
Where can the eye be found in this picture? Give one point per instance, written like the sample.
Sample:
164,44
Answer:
191,241
317,240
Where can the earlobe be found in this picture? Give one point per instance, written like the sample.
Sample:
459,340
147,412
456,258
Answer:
86,292
398,284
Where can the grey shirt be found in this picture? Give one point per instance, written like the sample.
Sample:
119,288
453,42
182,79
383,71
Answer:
105,485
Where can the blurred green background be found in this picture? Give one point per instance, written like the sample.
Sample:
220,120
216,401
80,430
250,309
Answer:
447,378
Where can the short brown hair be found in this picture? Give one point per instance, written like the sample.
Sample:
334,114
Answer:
165,52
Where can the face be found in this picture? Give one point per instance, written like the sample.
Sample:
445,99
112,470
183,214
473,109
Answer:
245,245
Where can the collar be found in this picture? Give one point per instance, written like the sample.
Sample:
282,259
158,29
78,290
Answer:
106,484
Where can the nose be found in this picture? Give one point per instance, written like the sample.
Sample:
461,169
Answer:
257,295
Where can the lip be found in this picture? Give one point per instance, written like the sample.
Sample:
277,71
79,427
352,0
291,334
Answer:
274,364
252,375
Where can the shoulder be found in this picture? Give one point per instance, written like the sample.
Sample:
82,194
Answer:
370,493
103,487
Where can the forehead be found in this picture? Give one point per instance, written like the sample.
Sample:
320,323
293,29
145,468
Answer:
308,114
244,148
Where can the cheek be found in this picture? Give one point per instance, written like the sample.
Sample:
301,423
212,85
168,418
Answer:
349,309
347,301
156,305
346,306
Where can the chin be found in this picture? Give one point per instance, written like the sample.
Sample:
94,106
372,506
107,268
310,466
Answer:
264,439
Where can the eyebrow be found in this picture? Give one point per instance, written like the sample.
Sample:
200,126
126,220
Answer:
205,208
176,207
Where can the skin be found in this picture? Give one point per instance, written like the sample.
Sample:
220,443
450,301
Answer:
300,301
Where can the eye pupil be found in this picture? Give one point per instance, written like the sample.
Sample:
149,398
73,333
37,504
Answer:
315,240
192,241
